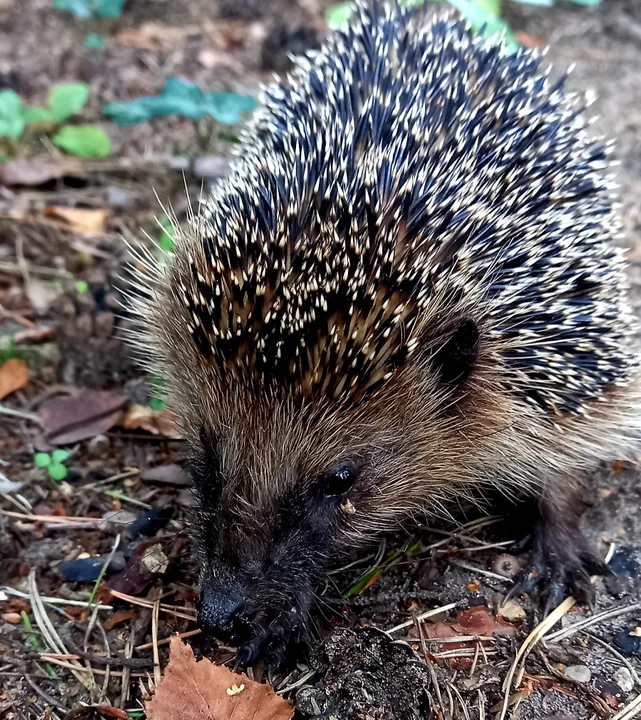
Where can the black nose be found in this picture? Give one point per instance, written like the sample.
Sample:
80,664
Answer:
220,607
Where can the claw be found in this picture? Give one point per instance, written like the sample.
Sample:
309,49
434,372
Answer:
558,571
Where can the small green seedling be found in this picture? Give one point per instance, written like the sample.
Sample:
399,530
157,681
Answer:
181,97
93,41
157,403
65,100
81,287
166,241
54,463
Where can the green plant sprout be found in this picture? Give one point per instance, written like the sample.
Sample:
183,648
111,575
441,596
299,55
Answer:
65,100
54,463
157,403
81,287
35,642
181,97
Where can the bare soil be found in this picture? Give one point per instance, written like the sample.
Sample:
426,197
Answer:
72,340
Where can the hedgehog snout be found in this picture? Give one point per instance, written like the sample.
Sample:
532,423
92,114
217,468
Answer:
220,608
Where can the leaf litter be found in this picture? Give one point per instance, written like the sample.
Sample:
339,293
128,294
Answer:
193,690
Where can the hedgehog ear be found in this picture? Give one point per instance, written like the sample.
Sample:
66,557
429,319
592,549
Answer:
455,359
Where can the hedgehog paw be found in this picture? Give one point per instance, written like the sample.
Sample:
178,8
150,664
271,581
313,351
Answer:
271,644
560,565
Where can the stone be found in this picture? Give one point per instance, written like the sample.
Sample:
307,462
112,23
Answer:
578,673
623,678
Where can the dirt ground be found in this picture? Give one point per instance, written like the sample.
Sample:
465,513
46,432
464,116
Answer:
72,340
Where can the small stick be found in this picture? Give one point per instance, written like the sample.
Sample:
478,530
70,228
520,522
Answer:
423,616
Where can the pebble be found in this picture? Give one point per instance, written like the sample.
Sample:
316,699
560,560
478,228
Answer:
512,611
578,673
623,678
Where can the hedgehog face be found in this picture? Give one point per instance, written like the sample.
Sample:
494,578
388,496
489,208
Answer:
283,491
261,563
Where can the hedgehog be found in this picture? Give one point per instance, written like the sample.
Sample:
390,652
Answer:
406,294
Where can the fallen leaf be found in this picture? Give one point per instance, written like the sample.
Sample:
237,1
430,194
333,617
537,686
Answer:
14,375
67,420
156,422
530,40
30,172
213,692
79,220
118,618
167,474
41,295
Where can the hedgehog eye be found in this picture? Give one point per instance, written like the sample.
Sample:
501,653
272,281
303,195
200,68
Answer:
339,481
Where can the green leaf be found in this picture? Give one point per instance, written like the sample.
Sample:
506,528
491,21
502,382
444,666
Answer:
42,460
83,140
157,404
181,97
489,7
82,287
492,26
91,8
110,8
57,471
67,99
11,120
94,41
338,16
59,456
37,114
80,8
227,107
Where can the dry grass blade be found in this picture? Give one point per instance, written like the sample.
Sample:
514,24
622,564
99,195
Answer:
530,641
49,632
154,635
424,616
53,601
583,624
184,613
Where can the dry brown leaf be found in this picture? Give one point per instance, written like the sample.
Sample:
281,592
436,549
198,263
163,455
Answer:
29,172
68,420
193,690
530,40
14,375
157,422
79,220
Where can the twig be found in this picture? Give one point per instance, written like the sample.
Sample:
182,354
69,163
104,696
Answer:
423,616
48,631
4,410
530,641
45,696
582,624
53,601
169,609
182,636
154,636
480,571
53,519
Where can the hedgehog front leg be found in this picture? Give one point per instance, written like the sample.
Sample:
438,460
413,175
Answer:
562,560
